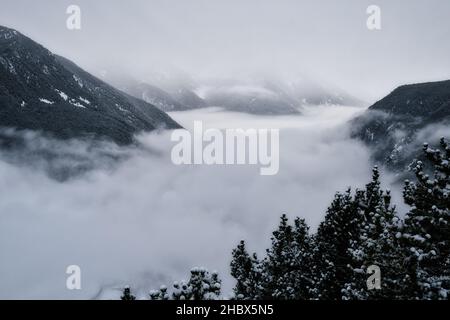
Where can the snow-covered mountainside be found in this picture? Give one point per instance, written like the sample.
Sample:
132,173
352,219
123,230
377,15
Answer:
187,97
154,90
274,96
155,96
249,98
312,92
391,126
178,99
268,95
42,91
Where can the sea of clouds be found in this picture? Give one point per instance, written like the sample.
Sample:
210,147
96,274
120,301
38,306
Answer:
143,221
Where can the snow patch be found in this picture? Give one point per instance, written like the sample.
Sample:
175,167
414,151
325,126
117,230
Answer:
77,104
9,35
86,101
120,108
46,101
11,68
45,70
78,80
62,94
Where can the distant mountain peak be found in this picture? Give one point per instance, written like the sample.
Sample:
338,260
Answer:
257,94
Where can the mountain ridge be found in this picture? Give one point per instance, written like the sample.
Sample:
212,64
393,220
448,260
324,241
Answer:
45,92
391,125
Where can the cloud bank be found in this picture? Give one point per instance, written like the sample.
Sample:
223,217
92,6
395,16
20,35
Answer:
146,221
327,39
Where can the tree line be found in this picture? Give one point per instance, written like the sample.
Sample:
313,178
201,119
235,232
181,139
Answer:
361,228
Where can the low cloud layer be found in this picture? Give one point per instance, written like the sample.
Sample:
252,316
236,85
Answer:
145,221
327,39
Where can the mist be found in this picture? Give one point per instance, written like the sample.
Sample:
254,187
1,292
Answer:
326,40
144,221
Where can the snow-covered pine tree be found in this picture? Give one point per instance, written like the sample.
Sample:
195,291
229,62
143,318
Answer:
426,233
375,244
277,263
181,291
202,285
303,259
332,258
160,294
246,270
286,269
127,295
215,286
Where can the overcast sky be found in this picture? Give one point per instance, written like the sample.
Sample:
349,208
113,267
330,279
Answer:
327,39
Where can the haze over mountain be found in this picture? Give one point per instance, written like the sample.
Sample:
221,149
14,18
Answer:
265,95
128,216
45,92
273,95
328,39
166,97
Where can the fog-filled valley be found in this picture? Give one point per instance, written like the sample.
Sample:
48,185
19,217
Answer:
146,221
140,140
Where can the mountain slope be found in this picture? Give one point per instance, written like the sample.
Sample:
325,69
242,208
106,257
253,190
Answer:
168,98
41,91
391,126
249,97
144,91
273,95
263,95
188,98
156,96
252,102
311,92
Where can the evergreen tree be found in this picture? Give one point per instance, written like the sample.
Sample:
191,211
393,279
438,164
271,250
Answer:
202,285
127,294
286,268
426,233
332,257
246,270
181,291
277,263
376,244
160,294
302,277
